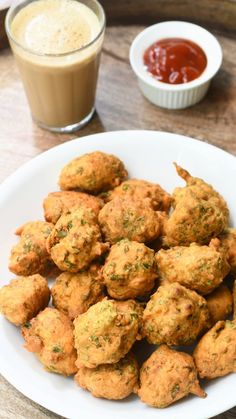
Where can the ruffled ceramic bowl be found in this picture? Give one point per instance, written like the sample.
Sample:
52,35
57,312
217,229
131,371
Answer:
175,96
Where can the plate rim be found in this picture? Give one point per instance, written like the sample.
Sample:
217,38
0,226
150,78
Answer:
38,157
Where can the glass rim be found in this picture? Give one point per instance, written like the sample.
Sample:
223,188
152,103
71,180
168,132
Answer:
51,55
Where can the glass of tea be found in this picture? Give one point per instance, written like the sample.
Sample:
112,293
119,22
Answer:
57,46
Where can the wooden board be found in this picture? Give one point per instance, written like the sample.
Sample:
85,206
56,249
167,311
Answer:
212,120
3,37
216,14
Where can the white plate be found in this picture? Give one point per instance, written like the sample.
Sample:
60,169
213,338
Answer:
148,155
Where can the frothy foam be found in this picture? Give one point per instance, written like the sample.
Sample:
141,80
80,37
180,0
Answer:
55,26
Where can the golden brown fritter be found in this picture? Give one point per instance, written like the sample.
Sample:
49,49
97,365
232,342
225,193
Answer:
219,303
132,219
140,189
73,294
106,332
200,268
168,376
129,270
174,315
110,381
60,203
228,240
30,255
194,220
76,241
50,337
93,172
199,189
23,298
215,354
200,213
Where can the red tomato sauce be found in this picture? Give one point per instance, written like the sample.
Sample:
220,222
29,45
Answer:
175,60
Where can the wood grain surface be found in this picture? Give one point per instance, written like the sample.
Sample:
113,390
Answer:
216,14
3,37
120,105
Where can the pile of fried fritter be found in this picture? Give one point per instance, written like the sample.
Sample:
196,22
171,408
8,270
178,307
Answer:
131,262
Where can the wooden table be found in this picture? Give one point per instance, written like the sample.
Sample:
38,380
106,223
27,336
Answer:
212,120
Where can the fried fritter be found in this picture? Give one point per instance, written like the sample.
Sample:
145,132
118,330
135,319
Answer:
76,241
30,255
200,268
50,337
194,220
228,240
174,315
93,172
110,381
215,354
168,376
140,189
219,303
23,298
200,213
199,189
73,294
129,270
106,332
132,219
60,203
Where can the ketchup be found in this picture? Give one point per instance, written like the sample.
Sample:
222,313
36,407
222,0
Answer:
175,60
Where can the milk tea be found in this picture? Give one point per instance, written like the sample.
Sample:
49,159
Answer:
57,45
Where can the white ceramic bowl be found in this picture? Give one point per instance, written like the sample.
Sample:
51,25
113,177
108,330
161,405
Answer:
175,96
